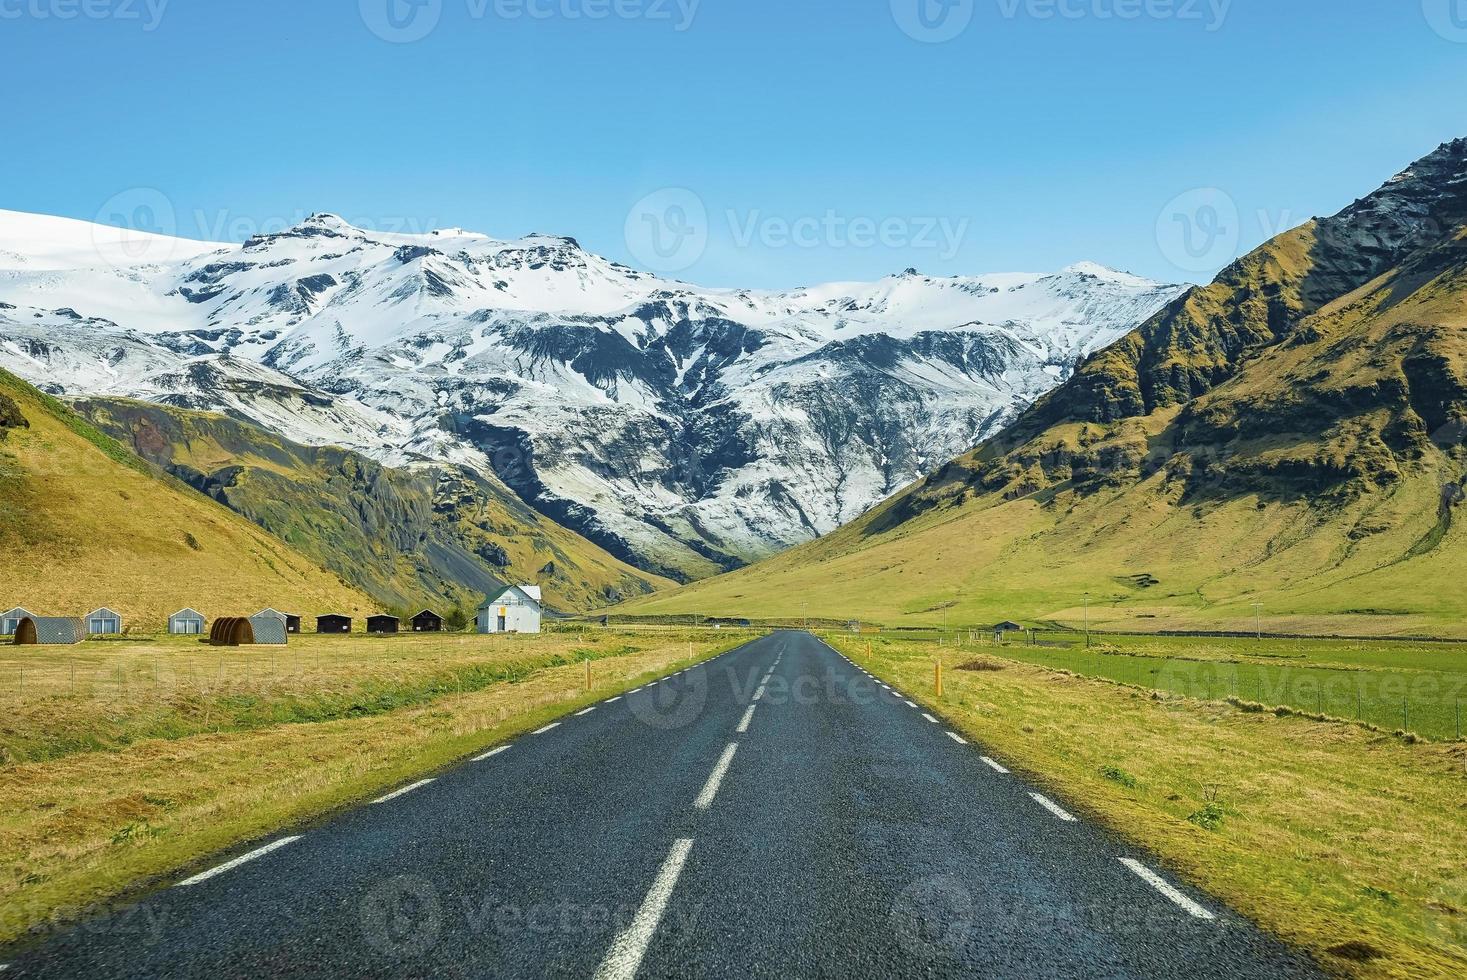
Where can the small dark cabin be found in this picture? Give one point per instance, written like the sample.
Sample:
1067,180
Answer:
382,625
427,621
333,624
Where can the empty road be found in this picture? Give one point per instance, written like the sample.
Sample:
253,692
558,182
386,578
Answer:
774,812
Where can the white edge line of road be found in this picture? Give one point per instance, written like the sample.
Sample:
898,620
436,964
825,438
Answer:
627,950
957,738
993,765
715,779
1162,885
612,700
929,717
542,731
401,792
585,711
491,753
243,858
1053,807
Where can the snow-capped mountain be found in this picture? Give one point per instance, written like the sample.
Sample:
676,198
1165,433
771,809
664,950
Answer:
688,429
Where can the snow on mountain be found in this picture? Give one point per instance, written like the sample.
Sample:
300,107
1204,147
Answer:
38,242
687,429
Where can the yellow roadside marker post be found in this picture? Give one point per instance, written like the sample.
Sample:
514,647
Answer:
938,667
588,673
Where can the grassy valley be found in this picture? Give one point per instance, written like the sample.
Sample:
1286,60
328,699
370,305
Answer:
439,536
1286,444
88,523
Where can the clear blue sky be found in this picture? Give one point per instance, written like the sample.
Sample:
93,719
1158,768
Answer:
1043,138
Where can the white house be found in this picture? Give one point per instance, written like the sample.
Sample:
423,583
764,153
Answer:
186,622
10,621
104,622
518,610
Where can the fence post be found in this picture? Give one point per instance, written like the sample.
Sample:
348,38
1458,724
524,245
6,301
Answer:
588,673
1459,719
1405,716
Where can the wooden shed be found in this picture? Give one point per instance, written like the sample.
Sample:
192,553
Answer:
10,621
383,625
1008,627
40,631
186,622
104,622
427,621
333,623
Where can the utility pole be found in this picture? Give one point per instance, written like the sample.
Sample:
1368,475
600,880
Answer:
1087,621
1258,619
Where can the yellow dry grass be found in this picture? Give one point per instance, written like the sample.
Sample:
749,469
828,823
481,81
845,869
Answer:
85,826
1341,841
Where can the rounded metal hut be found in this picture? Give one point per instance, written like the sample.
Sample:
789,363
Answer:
43,631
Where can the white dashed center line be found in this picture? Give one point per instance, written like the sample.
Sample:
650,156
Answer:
1052,807
231,865
626,954
491,753
401,792
1160,884
710,788
748,718
542,731
993,765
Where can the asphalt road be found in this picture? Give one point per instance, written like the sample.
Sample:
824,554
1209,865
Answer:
774,812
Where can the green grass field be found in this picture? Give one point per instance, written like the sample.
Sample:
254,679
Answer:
1394,686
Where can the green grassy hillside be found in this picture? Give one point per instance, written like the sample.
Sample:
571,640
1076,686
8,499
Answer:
437,536
87,523
1286,442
